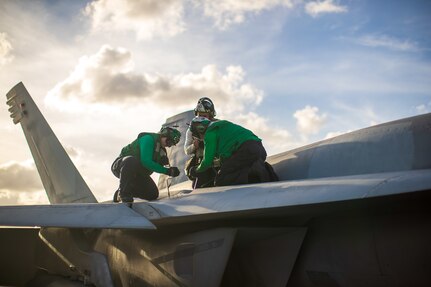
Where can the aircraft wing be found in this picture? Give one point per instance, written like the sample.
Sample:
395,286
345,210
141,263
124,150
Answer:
74,216
289,195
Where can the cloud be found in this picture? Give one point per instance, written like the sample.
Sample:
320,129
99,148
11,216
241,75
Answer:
5,49
424,108
309,121
146,18
23,198
152,18
385,41
314,8
105,76
276,139
108,77
228,12
19,176
334,134
228,88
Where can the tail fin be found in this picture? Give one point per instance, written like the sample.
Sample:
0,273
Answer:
62,181
176,154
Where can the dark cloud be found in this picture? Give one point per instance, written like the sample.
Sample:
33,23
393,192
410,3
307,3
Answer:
19,177
112,58
107,76
118,87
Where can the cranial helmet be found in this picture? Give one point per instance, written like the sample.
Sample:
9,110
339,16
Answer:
199,125
205,105
173,135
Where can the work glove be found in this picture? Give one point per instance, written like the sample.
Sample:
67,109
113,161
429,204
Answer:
173,171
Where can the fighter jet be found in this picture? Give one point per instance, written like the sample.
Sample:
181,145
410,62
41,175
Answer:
353,210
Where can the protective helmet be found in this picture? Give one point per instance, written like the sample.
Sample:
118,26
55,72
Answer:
205,105
173,135
199,125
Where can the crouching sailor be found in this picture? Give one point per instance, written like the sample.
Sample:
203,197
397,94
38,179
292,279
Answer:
241,153
139,159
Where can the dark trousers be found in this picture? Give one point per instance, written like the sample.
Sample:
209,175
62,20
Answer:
134,179
204,179
201,179
246,165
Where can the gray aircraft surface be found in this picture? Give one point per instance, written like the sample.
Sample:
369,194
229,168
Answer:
353,210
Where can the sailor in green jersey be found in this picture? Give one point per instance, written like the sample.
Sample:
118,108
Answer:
240,152
139,159
194,145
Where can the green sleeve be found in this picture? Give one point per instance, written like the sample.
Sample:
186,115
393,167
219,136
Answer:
146,148
210,142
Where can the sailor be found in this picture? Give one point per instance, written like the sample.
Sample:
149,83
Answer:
238,151
194,145
139,159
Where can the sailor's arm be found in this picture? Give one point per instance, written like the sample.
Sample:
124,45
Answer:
189,147
146,147
209,152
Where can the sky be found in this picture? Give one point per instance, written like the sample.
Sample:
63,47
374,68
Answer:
293,71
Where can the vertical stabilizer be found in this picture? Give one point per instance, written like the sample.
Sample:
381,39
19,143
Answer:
176,154
62,181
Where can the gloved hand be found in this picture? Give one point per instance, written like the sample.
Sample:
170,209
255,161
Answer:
173,171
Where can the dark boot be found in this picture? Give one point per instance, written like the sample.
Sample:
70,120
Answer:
125,196
117,197
125,193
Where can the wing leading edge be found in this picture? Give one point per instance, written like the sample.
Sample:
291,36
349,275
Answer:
215,202
291,194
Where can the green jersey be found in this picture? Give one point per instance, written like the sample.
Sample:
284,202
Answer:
148,150
222,138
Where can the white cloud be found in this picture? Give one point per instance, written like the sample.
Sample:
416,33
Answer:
5,49
105,76
424,108
314,8
147,18
333,134
228,12
155,18
37,197
276,139
226,88
355,116
385,41
309,121
8,197
108,77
